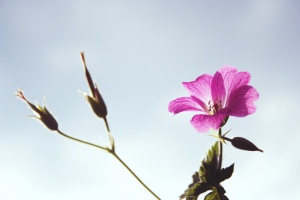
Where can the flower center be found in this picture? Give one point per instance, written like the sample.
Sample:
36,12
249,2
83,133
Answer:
213,108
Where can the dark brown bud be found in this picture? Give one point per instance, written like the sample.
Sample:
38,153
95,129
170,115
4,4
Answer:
42,113
95,100
244,144
87,74
97,104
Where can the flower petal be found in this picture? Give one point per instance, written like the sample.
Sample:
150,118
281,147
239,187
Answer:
200,88
241,101
184,104
203,123
218,91
233,79
239,80
228,73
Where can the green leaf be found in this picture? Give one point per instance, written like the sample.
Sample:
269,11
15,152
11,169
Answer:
191,198
216,194
209,177
225,173
224,198
195,188
210,164
212,196
221,191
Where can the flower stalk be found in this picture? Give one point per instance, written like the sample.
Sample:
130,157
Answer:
42,113
221,150
99,108
44,116
135,176
241,143
112,152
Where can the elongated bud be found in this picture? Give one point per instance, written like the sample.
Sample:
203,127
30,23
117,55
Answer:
43,113
87,74
47,118
244,144
97,105
100,101
95,100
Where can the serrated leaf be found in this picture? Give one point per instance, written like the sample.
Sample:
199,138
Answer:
221,191
191,198
212,196
225,173
195,189
195,180
212,153
209,177
224,198
210,164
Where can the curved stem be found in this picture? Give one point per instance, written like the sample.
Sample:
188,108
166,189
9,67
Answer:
82,141
111,151
141,182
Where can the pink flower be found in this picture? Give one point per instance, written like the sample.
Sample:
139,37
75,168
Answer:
217,97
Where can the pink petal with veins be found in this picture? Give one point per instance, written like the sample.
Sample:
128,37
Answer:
204,122
241,101
200,88
183,104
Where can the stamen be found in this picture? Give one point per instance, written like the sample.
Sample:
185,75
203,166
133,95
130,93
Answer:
213,108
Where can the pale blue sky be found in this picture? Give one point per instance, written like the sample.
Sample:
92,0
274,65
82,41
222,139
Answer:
139,52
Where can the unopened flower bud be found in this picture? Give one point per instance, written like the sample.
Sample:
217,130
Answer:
95,100
97,104
244,144
42,113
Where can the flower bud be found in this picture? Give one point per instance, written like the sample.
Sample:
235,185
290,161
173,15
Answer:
244,144
95,100
97,104
42,113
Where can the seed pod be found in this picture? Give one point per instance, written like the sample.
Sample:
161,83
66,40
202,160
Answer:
244,144
97,104
42,113
95,99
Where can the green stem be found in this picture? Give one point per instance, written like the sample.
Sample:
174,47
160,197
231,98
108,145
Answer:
81,141
111,151
111,138
137,178
221,150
